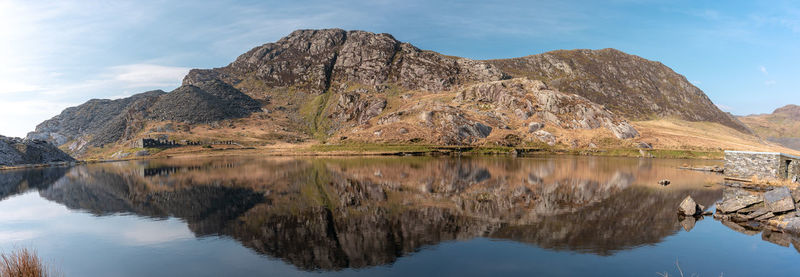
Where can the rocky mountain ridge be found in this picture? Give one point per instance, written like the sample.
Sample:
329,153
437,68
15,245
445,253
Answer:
629,85
337,85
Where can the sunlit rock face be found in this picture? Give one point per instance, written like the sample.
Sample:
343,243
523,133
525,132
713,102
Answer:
336,213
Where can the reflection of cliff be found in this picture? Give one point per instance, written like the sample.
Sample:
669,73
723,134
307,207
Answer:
331,214
206,208
14,182
634,217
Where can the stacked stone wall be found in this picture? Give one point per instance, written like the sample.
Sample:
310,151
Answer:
746,165
761,165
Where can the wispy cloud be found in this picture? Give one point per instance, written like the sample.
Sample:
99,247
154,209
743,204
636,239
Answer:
770,82
763,69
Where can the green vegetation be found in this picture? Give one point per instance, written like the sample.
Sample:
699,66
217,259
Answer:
312,112
366,148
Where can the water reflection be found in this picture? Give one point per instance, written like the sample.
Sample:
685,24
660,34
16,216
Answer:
330,214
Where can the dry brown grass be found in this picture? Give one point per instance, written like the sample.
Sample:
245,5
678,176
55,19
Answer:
773,182
22,263
679,134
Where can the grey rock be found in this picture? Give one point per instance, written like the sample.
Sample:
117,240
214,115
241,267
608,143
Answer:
737,199
17,151
644,145
545,136
688,207
792,224
779,200
535,126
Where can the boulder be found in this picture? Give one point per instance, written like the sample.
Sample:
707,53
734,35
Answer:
689,208
779,200
535,126
791,224
737,199
545,136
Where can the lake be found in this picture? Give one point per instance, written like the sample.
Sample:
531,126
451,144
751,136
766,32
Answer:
380,216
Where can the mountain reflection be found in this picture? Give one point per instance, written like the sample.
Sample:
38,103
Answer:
335,213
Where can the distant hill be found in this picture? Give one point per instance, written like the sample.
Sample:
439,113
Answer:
334,85
781,126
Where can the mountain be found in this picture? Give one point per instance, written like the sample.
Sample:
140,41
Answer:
17,151
334,85
631,86
100,122
781,126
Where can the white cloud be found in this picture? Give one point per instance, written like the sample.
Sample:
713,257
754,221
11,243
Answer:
763,69
24,106
147,75
770,82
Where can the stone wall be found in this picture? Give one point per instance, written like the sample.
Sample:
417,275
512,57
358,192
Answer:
763,165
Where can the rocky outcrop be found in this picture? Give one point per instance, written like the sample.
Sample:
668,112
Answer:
628,85
17,151
313,60
100,122
86,119
213,101
751,212
527,98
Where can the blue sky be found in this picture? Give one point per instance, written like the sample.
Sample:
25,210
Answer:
56,54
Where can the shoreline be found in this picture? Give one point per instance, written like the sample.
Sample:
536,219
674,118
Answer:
353,150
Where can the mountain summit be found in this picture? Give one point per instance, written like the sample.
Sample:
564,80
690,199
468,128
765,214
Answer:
337,85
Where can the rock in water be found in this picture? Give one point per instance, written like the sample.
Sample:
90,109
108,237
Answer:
736,199
688,207
779,200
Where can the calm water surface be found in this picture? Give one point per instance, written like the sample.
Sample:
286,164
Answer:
381,216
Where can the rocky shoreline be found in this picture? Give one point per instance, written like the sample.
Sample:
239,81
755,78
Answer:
751,211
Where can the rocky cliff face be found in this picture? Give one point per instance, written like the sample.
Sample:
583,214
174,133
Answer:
628,85
100,122
339,85
781,126
17,151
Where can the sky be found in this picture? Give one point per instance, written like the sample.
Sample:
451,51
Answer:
56,54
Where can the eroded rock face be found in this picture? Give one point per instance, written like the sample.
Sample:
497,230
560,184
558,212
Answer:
628,85
353,109
534,98
314,59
